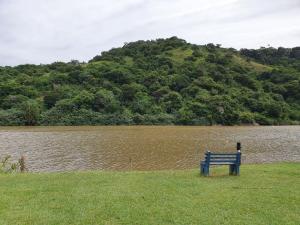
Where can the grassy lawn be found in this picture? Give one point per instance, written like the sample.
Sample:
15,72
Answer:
263,194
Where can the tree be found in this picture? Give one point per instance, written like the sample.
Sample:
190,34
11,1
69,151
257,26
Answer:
105,101
172,101
31,112
66,105
120,76
179,82
142,103
51,98
84,99
295,53
185,116
129,91
13,101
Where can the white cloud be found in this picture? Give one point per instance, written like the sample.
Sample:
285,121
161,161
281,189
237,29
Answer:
43,31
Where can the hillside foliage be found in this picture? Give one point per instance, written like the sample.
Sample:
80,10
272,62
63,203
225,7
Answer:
163,81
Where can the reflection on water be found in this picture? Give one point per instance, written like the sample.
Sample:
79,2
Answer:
143,147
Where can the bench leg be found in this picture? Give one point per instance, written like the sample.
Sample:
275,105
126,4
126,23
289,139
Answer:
231,169
206,170
202,169
234,170
237,170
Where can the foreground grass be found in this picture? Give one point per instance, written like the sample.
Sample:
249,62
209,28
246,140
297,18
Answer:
263,194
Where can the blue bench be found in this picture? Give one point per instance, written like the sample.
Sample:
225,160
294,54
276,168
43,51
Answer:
231,159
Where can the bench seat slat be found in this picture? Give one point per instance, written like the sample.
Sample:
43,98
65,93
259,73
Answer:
224,163
221,154
220,161
233,161
226,157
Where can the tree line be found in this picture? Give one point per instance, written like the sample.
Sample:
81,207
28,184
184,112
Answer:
163,81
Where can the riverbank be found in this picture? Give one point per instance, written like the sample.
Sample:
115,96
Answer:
263,194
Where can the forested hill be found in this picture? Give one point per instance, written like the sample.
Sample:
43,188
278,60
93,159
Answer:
166,81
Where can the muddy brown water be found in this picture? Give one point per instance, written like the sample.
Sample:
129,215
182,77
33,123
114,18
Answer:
143,147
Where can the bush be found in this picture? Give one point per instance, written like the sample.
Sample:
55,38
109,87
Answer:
247,117
105,101
11,117
30,112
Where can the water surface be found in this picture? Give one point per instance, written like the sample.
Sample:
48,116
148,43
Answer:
143,147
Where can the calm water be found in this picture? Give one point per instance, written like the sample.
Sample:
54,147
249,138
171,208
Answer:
143,147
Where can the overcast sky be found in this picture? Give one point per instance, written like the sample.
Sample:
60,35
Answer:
45,31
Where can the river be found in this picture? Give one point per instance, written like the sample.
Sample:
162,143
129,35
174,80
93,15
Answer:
49,149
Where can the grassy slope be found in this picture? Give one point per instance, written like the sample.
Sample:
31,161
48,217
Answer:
263,194
254,66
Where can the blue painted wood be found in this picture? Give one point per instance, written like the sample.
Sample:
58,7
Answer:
231,159
223,161
221,154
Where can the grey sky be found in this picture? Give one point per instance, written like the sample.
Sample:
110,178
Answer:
44,31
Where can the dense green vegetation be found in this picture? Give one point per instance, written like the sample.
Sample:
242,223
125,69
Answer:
263,194
166,81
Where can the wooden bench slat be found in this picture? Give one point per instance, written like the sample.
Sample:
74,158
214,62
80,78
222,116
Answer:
223,157
223,161
221,154
220,161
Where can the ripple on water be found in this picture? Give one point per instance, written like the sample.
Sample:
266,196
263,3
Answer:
143,147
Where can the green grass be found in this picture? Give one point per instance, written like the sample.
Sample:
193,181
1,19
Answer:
263,194
178,55
251,64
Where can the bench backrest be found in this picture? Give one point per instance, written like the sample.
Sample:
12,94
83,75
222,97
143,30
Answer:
223,157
